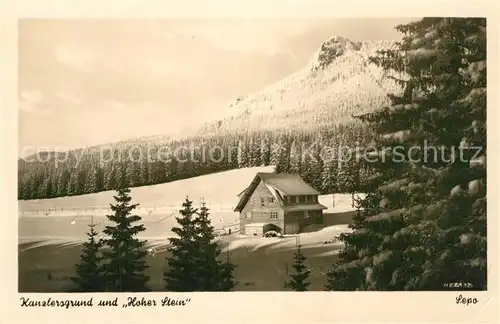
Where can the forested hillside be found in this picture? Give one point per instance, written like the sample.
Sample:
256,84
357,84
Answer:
311,154
339,81
298,125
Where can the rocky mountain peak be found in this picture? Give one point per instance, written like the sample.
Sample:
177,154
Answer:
332,48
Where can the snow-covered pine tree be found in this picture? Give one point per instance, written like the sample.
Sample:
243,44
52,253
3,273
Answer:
132,176
311,168
109,181
278,155
181,273
243,154
295,157
212,273
425,225
94,181
119,175
328,176
265,149
89,272
255,147
144,171
45,190
124,254
330,167
299,280
73,186
62,181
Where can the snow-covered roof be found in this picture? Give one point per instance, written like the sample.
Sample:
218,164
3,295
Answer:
287,184
279,184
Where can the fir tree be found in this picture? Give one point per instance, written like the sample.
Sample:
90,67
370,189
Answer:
195,263
132,175
425,223
181,273
94,181
243,154
265,150
213,274
328,176
228,281
278,155
295,158
89,272
62,182
109,176
125,259
144,171
73,187
45,190
208,266
299,280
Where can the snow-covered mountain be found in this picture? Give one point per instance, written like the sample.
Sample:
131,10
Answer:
339,81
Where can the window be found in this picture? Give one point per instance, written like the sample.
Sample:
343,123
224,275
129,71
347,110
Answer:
306,214
270,200
288,199
248,215
261,201
305,198
274,215
297,199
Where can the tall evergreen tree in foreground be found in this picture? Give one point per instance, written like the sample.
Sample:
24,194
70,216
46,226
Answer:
424,227
214,274
89,272
180,275
194,264
125,256
299,280
228,282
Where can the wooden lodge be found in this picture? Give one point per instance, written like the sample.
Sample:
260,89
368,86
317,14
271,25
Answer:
281,202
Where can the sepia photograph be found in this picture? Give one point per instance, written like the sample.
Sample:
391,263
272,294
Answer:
188,155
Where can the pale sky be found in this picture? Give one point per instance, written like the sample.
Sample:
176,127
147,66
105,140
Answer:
88,82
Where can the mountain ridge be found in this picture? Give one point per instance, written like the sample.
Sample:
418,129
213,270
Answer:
314,105
336,74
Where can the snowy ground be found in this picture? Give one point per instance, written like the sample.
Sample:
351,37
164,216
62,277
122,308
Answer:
317,239
159,204
158,226
219,190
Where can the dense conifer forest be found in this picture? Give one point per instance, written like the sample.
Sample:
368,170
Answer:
315,155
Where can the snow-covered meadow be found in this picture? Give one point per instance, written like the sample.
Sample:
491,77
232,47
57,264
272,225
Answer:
64,221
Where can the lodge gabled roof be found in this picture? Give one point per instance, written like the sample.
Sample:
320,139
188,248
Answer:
280,184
